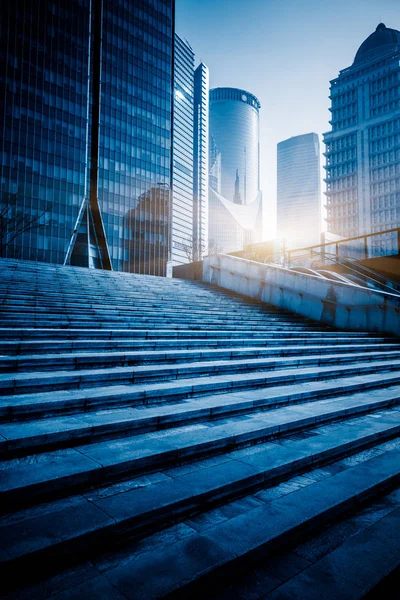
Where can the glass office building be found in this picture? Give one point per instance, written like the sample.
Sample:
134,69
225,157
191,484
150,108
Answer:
234,194
87,133
182,205
299,191
363,146
200,162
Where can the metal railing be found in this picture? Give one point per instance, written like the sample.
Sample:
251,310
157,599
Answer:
360,247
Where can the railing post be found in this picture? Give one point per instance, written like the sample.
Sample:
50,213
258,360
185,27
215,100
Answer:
365,247
398,241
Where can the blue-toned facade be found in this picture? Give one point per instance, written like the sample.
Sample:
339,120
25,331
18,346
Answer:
299,190
44,75
200,162
363,146
48,84
234,126
136,132
182,204
235,202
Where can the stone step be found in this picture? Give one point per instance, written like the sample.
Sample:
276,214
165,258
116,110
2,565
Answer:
17,333
38,435
204,325
138,312
135,290
168,310
80,360
62,471
129,302
79,525
50,346
42,404
80,291
19,383
353,569
86,294
164,311
189,566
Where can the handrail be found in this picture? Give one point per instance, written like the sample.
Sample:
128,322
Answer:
346,240
363,271
375,277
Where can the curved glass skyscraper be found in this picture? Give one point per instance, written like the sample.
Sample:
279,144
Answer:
235,198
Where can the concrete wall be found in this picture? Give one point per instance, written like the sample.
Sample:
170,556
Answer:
340,305
190,271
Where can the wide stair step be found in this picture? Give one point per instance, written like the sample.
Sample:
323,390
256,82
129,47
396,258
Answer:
11,383
50,346
77,360
33,435
70,401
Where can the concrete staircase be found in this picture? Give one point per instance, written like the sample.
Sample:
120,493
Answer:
162,437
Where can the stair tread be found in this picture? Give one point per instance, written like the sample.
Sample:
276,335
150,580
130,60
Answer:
78,374
166,354
136,452
160,571
87,397
85,515
206,407
353,569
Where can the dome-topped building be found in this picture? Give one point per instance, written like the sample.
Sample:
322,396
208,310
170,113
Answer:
382,40
363,146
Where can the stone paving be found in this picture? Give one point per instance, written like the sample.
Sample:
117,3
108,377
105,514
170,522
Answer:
161,437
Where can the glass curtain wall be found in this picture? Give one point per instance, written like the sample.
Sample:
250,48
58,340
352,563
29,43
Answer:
46,87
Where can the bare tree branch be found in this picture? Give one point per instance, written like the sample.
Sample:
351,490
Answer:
12,226
195,252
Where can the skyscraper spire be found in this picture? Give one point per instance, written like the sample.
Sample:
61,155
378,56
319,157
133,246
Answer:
236,196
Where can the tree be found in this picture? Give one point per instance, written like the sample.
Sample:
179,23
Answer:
195,253
14,224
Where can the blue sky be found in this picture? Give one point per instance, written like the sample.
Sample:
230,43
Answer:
285,52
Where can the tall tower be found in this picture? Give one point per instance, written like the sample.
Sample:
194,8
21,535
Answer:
235,201
182,195
201,164
299,190
86,89
190,157
363,146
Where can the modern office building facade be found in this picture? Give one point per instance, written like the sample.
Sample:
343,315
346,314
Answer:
363,146
183,153
235,204
87,87
200,162
299,190
190,157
